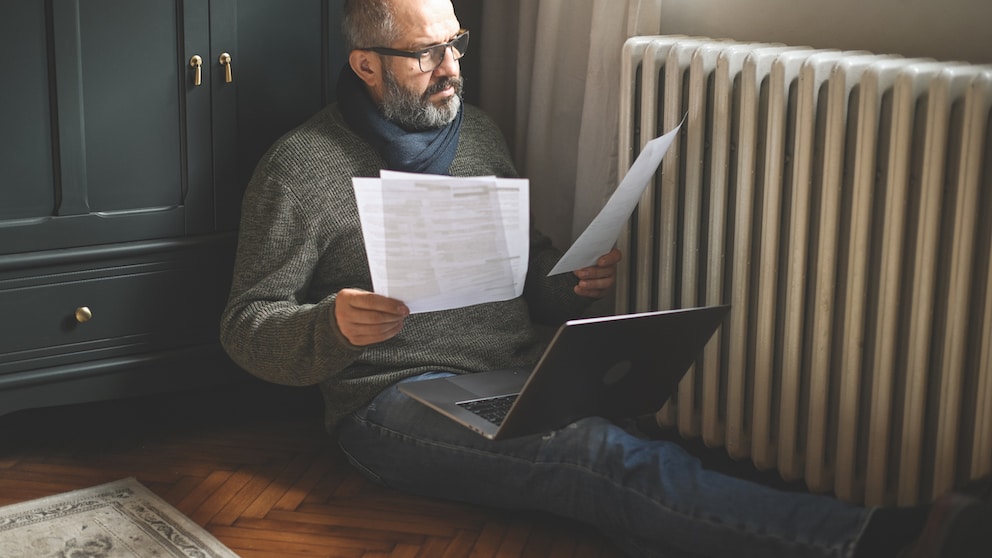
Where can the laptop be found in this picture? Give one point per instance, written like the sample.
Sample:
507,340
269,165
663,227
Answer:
613,366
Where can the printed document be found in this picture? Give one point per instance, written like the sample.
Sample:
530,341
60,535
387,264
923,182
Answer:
439,242
604,230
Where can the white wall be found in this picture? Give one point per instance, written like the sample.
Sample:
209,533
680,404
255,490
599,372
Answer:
941,29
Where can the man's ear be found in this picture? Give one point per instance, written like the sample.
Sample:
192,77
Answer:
366,66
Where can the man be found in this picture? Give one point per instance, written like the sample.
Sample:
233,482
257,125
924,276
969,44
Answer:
301,312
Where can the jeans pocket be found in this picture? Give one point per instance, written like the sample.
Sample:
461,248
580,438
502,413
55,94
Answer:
365,471
349,424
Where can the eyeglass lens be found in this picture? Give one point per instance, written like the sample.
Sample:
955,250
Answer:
435,54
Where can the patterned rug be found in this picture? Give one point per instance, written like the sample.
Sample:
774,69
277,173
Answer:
122,519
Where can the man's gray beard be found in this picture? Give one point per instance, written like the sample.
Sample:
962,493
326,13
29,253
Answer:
414,112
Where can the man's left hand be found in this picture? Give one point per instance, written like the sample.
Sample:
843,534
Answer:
596,280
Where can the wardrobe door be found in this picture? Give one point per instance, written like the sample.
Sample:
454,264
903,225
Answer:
279,76
98,125
27,184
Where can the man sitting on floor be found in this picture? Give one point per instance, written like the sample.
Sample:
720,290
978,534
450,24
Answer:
301,312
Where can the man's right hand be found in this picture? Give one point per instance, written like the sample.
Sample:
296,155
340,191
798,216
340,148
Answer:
365,318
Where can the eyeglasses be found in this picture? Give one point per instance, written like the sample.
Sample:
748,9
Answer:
431,57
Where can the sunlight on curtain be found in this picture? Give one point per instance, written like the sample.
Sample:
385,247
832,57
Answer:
550,79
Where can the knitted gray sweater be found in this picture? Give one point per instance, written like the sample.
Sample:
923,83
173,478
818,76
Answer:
300,242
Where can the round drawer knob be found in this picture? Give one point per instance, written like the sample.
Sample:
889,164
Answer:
83,314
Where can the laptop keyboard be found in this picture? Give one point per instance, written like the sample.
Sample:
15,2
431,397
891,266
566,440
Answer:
493,409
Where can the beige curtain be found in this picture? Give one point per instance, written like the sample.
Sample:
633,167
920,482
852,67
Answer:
550,77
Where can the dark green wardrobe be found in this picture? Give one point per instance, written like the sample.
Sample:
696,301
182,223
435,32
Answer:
128,130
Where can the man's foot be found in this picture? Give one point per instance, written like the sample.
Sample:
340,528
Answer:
959,526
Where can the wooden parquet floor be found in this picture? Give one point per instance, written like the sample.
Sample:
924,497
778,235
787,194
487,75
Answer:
252,464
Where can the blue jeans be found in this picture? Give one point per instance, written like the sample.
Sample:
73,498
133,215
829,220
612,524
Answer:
650,497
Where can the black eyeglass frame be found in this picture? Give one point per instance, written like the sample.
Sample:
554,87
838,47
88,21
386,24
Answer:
419,54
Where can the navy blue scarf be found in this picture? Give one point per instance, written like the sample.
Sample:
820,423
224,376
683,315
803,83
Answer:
428,151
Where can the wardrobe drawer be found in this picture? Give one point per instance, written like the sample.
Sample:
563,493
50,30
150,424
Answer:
146,305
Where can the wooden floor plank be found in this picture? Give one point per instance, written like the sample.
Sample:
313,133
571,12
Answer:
267,500
514,540
218,499
405,551
488,543
178,489
366,537
460,546
297,493
202,492
249,536
235,507
254,548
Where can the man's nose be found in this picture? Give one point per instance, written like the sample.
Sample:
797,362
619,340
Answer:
448,66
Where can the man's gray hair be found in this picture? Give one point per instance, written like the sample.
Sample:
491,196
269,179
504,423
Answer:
368,23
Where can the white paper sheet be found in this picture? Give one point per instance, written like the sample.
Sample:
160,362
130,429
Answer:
440,242
604,230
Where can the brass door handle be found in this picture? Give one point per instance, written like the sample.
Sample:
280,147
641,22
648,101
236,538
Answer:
225,60
197,64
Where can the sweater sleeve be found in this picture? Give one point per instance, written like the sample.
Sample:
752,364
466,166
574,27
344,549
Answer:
552,300
268,327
